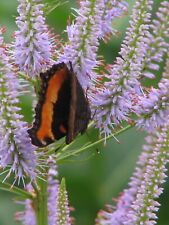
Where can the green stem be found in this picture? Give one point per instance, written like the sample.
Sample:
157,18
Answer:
41,204
52,150
80,150
32,82
27,78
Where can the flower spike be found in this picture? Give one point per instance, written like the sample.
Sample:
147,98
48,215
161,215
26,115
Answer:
15,146
32,45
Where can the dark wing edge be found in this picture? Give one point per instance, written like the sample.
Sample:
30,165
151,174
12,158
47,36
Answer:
80,113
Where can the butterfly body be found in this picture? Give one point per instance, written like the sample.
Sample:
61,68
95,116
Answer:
62,109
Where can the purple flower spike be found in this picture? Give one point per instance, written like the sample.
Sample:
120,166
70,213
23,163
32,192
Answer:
113,103
57,202
32,46
141,53
57,197
53,186
112,10
26,158
28,216
83,40
153,109
92,23
145,206
138,204
158,45
15,146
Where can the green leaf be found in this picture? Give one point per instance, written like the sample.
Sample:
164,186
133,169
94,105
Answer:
15,190
53,5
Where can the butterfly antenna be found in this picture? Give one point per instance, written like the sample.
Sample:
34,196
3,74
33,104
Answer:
71,67
94,114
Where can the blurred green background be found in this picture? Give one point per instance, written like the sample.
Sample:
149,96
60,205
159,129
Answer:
93,179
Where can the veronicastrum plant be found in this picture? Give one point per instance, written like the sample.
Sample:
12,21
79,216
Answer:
118,97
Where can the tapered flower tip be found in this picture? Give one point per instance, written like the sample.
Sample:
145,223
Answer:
32,44
63,208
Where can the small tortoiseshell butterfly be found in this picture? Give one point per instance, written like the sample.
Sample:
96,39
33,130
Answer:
62,108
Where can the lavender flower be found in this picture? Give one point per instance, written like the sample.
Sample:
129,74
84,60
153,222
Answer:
113,102
119,214
138,204
153,109
53,187
83,36
15,146
158,44
144,208
32,45
27,217
83,40
57,202
112,9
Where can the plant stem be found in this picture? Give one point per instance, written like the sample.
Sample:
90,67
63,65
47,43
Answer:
41,204
66,154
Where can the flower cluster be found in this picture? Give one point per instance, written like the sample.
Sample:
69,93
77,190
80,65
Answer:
32,45
112,9
119,95
15,145
144,207
57,201
84,36
113,102
53,191
83,40
28,216
158,44
153,109
137,204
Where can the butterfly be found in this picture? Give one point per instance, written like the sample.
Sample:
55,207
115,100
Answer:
62,108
